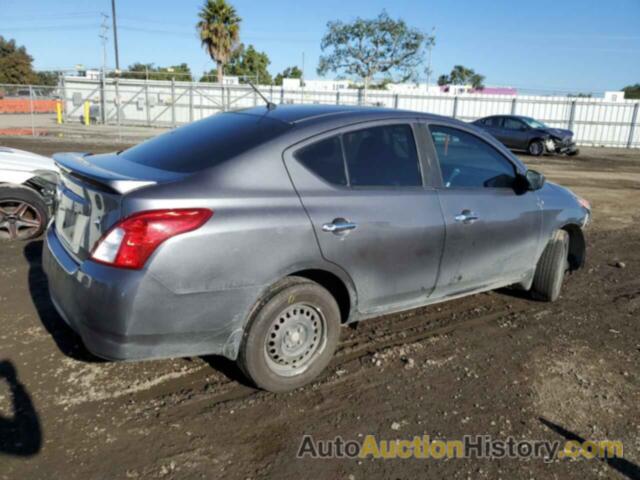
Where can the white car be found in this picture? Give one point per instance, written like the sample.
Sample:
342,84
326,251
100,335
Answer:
27,189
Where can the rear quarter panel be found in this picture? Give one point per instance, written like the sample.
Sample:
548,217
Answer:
259,233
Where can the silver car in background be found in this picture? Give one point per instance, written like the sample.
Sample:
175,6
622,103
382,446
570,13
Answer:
257,234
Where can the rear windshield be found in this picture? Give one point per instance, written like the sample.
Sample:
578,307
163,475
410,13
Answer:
205,143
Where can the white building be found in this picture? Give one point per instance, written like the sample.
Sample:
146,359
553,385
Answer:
614,96
317,85
413,88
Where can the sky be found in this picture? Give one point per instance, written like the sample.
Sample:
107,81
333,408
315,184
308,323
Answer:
547,45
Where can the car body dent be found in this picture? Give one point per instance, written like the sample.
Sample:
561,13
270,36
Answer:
19,166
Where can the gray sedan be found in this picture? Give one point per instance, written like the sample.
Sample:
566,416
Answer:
529,134
257,234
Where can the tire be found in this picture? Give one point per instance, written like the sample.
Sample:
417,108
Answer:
23,213
280,332
536,148
551,268
573,153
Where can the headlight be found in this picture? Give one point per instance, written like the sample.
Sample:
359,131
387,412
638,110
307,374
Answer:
584,203
550,144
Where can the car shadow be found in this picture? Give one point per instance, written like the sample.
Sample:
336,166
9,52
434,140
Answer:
228,368
20,434
622,466
66,339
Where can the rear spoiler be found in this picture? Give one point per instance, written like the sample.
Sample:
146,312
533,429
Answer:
77,165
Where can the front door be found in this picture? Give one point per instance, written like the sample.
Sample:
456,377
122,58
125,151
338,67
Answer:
515,133
491,230
363,191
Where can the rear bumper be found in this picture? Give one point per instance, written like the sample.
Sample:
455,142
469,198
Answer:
129,315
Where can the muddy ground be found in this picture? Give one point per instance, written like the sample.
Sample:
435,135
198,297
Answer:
493,364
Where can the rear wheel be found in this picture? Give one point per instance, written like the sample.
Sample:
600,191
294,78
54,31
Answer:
23,213
291,336
551,268
536,148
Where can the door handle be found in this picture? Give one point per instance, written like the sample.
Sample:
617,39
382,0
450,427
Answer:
339,225
466,217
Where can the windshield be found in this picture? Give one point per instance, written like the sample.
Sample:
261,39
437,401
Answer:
533,123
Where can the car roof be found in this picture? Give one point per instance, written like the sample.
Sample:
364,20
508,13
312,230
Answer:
341,114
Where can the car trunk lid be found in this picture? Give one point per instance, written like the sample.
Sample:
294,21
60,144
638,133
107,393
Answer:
90,195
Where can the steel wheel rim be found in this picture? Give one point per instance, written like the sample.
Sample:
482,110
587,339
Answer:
295,339
19,220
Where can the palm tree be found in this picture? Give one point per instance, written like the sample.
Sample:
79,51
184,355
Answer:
219,29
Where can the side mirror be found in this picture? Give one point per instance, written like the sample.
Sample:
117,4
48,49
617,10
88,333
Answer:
535,180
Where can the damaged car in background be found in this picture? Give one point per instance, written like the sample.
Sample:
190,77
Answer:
27,189
526,133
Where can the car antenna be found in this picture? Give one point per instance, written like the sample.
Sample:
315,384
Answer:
270,105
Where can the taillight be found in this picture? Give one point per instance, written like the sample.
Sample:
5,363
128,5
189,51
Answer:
132,240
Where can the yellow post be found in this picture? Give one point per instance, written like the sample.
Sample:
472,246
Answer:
59,112
87,119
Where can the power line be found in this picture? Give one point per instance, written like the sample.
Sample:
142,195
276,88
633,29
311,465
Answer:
45,28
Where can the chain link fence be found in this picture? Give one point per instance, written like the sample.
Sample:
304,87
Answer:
124,107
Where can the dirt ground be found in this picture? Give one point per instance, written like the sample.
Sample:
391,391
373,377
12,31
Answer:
493,364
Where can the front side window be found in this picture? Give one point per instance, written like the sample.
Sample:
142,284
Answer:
384,156
533,123
514,124
467,161
324,159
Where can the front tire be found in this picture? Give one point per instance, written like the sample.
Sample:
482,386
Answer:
23,213
536,148
551,268
291,337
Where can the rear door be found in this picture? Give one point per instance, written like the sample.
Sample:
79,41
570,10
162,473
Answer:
500,132
492,125
372,213
491,230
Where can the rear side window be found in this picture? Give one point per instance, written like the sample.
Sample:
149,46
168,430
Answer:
206,143
382,156
325,160
467,161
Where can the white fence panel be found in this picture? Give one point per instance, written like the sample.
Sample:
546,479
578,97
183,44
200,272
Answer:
166,103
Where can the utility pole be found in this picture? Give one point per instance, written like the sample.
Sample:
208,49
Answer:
302,79
115,34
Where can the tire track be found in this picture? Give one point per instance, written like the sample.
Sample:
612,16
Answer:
231,392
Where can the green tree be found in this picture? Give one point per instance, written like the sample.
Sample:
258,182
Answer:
247,63
219,29
366,48
15,63
149,71
632,91
461,75
289,72
48,78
